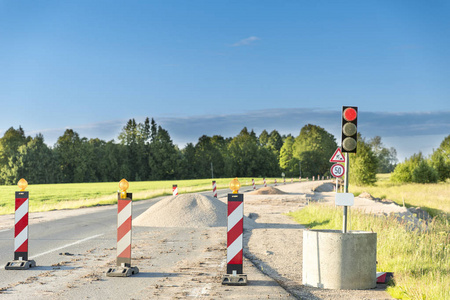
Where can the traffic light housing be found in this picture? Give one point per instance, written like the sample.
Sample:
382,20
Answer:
349,129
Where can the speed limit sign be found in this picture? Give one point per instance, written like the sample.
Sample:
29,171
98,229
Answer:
337,170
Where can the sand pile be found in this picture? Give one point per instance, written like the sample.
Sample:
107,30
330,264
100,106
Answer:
188,210
267,191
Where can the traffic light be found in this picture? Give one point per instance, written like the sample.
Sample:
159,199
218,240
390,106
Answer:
349,130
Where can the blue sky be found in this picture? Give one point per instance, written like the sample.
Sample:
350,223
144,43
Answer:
213,67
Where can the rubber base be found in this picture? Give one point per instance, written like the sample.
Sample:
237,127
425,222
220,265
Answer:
122,271
238,279
20,265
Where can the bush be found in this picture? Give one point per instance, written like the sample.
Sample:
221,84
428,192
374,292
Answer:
424,173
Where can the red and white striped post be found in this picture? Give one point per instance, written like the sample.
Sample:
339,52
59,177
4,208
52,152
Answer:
235,237
214,189
124,225
253,182
275,182
292,180
21,261
313,178
175,190
284,180
265,183
300,178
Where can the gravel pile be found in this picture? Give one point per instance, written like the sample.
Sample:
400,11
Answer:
188,210
324,187
267,191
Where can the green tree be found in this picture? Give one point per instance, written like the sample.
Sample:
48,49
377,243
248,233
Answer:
313,148
9,146
387,158
70,154
164,156
403,171
288,163
38,163
440,159
242,153
263,138
424,173
363,164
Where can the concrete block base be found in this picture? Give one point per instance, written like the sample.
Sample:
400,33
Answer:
336,260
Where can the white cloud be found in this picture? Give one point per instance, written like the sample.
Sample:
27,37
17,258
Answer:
247,41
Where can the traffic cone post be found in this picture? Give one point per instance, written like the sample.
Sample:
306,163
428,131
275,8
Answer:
124,225
175,190
21,261
214,189
235,237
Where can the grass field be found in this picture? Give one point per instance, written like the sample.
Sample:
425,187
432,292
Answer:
46,197
433,197
420,259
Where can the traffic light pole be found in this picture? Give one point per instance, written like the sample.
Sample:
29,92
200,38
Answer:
347,163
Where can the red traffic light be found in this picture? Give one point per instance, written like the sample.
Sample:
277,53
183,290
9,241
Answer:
350,114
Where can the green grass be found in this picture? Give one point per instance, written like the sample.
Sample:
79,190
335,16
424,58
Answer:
420,259
432,197
46,197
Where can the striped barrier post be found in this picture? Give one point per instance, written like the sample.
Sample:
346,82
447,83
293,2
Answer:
292,180
124,225
300,178
265,184
235,234
175,190
253,182
275,182
313,178
21,261
214,189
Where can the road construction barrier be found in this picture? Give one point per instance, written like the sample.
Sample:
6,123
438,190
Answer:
253,182
235,234
214,189
313,178
175,190
275,182
265,184
21,261
124,225
284,180
300,178
292,180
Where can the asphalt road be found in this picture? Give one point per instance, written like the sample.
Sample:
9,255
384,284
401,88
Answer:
75,234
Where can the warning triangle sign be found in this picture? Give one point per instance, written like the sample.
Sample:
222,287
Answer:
337,156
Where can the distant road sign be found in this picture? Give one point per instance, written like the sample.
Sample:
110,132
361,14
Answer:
337,156
337,170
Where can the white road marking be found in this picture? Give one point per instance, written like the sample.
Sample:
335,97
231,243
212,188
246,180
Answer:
68,245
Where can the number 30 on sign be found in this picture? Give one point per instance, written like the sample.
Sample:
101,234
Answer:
337,170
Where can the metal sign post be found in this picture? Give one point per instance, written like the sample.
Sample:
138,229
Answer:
344,229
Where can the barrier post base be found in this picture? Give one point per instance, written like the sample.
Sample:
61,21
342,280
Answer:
234,279
20,265
122,271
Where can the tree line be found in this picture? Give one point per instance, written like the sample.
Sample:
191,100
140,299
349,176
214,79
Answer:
421,169
145,151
